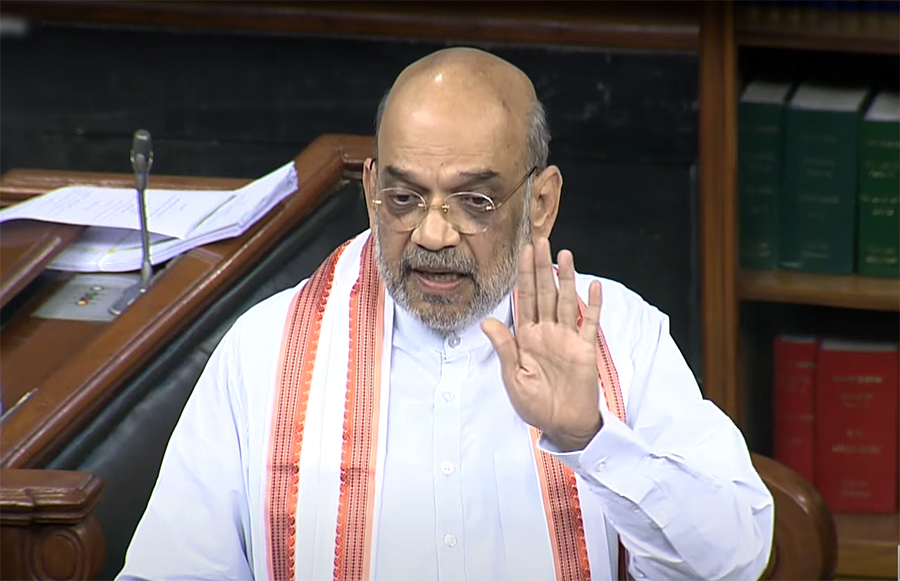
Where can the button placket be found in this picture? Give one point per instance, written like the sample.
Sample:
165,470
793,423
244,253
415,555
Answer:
447,484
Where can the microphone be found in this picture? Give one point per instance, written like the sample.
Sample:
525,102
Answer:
141,160
141,157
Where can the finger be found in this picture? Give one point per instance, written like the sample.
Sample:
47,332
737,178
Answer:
527,308
504,344
567,303
543,280
592,313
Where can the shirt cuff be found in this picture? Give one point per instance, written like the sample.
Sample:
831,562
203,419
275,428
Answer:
611,458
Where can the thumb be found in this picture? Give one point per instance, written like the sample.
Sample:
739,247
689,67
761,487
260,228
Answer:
504,343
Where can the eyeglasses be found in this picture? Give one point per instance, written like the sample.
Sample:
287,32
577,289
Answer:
402,209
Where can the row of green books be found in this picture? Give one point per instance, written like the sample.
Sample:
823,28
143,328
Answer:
819,179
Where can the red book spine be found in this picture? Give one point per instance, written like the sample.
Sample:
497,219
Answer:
795,367
857,399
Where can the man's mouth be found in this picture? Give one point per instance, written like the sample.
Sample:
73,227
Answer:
438,282
439,276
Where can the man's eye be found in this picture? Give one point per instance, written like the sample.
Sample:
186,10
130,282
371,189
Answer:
476,202
402,199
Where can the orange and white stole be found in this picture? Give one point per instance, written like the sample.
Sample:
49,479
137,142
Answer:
359,471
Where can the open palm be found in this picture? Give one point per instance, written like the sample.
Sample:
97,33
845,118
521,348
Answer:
550,366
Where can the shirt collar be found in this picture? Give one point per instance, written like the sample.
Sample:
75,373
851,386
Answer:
412,334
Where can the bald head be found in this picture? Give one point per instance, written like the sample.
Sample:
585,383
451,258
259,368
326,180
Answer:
463,93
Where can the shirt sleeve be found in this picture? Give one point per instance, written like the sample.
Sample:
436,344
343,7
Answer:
676,481
196,525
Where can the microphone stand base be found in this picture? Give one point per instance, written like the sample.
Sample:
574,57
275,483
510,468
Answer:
128,296
90,297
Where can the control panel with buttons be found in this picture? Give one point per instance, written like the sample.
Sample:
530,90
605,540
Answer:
87,297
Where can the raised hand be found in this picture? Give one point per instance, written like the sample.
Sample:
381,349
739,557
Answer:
550,366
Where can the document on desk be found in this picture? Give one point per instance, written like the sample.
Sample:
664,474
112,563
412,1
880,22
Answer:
169,212
178,220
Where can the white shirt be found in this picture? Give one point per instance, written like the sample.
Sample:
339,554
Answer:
675,482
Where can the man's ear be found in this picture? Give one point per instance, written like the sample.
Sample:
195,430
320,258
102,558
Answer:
368,182
545,193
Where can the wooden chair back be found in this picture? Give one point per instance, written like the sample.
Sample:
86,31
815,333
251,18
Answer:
805,542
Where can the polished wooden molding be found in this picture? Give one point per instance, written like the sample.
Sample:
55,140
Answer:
805,28
614,24
868,545
805,542
68,396
718,209
47,527
26,248
850,291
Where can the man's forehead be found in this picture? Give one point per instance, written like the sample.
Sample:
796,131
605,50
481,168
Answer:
455,121
452,143
414,173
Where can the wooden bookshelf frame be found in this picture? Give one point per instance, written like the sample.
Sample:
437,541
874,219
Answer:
849,292
867,544
826,30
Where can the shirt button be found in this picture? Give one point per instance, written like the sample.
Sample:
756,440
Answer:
448,396
600,465
449,540
453,341
447,468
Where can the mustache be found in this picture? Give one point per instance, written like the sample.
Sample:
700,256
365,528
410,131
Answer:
444,260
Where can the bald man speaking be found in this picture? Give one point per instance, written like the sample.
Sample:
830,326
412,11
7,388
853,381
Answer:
440,401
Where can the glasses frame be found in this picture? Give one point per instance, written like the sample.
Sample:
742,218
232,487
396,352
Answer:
496,203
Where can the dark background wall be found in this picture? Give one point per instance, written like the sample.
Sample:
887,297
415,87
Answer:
623,125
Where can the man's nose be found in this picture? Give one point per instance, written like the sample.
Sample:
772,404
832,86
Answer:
435,232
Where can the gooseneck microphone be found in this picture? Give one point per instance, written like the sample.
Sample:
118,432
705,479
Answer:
141,160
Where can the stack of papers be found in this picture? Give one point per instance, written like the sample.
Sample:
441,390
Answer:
178,220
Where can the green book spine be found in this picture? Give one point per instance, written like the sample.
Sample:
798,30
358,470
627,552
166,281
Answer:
788,240
823,148
879,199
760,138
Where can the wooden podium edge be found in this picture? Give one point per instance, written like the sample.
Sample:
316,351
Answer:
42,424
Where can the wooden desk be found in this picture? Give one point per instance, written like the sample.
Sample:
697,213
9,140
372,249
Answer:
70,370
25,249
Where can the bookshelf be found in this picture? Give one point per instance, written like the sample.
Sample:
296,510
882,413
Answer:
868,544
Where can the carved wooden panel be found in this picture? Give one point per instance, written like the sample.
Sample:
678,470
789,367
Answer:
47,527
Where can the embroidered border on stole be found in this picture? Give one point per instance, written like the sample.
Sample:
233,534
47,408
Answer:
358,455
560,496
609,378
296,363
559,488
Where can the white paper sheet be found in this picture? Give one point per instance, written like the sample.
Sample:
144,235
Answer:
169,212
105,249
